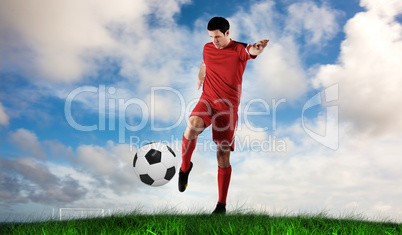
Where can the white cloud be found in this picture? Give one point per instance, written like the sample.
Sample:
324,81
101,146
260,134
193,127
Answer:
58,150
108,165
369,70
316,24
385,10
247,131
313,178
63,39
168,106
28,180
28,142
3,116
58,34
279,73
98,159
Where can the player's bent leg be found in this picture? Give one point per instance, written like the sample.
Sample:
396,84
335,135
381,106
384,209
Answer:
223,155
194,127
224,174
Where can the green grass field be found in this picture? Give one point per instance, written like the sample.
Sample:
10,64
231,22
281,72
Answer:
232,223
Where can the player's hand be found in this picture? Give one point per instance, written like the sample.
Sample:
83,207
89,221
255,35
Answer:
201,75
258,47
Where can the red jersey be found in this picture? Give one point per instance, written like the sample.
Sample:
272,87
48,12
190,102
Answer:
224,74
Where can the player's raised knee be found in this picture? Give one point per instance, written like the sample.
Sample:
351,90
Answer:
194,127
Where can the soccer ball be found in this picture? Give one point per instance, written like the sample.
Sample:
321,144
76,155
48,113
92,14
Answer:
155,164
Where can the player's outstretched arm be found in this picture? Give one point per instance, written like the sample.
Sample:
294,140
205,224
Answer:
201,75
258,47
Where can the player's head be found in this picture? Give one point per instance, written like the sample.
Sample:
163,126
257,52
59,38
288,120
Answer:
218,23
218,29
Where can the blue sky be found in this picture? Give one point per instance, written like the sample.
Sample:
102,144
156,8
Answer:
319,128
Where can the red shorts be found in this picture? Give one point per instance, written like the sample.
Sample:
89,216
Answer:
224,122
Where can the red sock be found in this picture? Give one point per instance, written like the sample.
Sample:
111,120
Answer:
223,183
187,149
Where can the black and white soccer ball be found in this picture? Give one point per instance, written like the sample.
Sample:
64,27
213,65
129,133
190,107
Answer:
155,164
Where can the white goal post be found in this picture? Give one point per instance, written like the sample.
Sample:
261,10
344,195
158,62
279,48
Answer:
99,211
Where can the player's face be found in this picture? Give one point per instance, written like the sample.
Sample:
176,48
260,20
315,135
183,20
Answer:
219,39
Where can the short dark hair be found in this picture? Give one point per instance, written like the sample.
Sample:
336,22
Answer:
218,23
